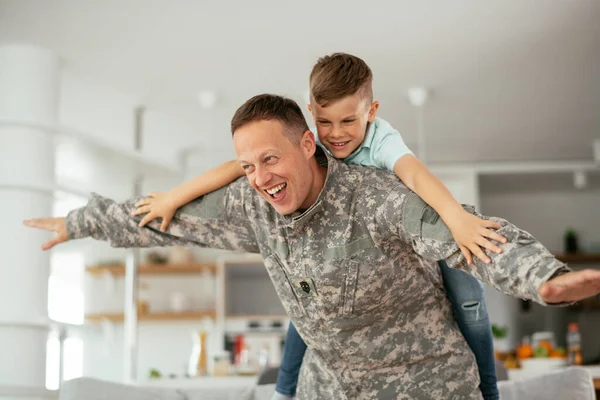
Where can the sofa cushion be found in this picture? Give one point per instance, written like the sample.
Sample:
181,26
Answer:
570,383
94,389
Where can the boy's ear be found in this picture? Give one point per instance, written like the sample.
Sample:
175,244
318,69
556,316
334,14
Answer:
373,111
310,110
308,144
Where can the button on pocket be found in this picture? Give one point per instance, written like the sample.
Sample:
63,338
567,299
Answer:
305,286
284,287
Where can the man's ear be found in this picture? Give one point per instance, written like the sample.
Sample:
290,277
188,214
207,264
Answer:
373,111
308,144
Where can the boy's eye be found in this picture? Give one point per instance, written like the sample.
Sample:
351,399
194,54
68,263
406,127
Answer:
270,159
348,121
246,167
324,122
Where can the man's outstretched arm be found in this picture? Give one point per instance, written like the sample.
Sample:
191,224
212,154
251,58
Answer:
215,220
524,268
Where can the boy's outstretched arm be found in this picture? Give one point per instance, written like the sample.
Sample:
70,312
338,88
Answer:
164,205
470,232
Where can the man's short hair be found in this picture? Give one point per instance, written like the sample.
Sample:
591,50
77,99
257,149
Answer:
272,107
340,75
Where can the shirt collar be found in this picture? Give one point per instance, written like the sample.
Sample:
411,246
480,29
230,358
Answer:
298,219
368,140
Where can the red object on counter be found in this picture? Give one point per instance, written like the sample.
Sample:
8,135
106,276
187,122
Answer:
237,348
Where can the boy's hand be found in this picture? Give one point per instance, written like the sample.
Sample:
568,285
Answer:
472,234
154,206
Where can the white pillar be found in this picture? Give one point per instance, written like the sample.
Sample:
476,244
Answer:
29,87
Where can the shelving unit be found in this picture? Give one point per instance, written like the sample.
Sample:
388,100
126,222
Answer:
587,304
152,269
156,317
257,318
580,258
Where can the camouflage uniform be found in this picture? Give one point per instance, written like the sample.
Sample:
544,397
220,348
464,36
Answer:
356,274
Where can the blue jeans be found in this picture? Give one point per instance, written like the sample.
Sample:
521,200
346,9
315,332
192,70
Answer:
470,311
293,353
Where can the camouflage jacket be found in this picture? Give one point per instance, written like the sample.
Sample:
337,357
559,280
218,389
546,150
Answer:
356,273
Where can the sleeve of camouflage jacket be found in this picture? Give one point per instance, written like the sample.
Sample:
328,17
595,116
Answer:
217,220
518,271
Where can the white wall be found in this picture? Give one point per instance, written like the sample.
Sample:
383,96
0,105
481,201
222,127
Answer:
548,214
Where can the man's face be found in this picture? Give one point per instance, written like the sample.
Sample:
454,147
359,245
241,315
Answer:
342,125
278,169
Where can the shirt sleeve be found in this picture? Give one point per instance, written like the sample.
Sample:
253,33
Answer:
216,220
387,147
523,266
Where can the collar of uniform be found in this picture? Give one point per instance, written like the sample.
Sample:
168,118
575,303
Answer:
368,140
298,219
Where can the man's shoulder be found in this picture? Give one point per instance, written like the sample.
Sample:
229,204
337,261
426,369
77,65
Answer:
238,195
369,180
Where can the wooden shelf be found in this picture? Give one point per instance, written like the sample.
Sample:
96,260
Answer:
257,317
579,258
592,303
152,269
166,316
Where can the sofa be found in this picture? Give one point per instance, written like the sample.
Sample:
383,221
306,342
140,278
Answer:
570,383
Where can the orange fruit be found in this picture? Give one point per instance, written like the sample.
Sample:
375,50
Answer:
546,344
524,351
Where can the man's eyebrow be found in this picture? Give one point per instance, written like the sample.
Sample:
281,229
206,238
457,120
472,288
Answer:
264,153
260,156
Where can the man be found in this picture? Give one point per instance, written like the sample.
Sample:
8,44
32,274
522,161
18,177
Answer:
351,253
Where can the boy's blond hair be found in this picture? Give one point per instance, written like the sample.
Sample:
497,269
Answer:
340,75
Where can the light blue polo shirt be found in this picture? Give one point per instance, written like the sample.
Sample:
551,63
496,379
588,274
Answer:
381,148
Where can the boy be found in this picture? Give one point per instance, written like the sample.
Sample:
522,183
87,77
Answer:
344,113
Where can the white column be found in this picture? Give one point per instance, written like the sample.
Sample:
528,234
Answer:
29,87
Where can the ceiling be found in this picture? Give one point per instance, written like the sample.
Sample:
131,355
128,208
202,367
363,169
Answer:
510,79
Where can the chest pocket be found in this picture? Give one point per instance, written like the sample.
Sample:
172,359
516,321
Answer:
358,279
291,298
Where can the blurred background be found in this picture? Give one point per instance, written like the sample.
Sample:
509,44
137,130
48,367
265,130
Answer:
126,97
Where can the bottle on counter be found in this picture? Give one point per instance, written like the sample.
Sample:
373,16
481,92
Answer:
574,345
198,365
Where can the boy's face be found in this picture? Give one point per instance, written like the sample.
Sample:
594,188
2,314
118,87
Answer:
342,125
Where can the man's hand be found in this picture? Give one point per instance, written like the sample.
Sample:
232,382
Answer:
58,225
572,286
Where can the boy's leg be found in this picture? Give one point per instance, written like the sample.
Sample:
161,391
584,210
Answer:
470,311
293,353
